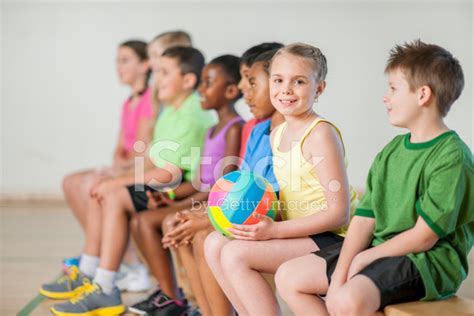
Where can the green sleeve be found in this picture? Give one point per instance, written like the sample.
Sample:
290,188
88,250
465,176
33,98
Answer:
444,204
366,207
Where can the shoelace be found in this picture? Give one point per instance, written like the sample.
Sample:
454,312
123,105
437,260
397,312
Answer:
160,299
70,276
88,290
72,273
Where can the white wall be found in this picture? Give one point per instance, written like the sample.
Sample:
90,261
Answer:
61,99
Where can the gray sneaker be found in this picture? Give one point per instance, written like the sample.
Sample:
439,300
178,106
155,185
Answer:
92,302
68,286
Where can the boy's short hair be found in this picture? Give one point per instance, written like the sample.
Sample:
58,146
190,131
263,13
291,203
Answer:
249,56
190,60
174,38
431,65
266,59
230,64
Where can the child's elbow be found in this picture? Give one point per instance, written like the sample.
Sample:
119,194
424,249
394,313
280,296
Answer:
343,220
426,243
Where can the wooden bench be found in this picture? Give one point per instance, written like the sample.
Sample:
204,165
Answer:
455,306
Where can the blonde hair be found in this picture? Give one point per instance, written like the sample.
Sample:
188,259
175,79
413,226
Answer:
167,40
173,38
311,53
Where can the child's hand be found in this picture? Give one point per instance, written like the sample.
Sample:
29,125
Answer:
189,224
171,225
263,230
331,302
102,189
100,177
360,261
336,283
157,199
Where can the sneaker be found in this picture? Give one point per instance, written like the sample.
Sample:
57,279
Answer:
145,306
68,286
133,279
165,306
91,302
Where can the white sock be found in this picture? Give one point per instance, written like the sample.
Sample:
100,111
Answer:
88,265
106,280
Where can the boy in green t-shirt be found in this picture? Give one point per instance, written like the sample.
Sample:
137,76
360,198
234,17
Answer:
412,232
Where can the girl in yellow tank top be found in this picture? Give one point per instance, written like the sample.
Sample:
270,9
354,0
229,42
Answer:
314,191
301,192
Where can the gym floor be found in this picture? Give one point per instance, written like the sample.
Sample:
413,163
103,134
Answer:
34,238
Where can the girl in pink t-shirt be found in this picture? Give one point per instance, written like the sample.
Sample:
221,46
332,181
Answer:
136,129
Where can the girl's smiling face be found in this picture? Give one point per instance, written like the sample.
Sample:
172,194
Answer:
293,84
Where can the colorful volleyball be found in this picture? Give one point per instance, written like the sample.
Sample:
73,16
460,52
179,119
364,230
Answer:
238,194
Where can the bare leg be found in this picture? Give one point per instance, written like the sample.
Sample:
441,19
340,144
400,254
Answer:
213,246
76,189
243,261
116,209
359,296
147,235
130,256
93,227
299,281
187,259
180,273
220,304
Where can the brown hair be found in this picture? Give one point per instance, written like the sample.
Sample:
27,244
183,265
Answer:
139,48
189,59
313,54
431,65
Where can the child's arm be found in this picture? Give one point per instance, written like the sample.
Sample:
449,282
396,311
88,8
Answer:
145,132
119,159
358,238
417,239
232,147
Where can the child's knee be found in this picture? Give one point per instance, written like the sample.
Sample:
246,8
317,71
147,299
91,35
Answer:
69,183
234,255
284,280
213,247
348,301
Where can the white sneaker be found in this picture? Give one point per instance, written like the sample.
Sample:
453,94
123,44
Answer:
133,279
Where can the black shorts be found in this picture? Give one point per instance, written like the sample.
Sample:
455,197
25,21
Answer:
138,195
397,278
326,239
